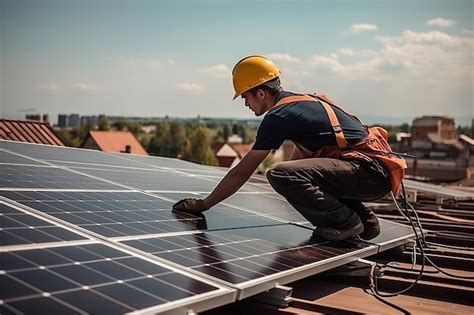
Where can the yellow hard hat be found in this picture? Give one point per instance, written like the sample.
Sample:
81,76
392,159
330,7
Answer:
252,71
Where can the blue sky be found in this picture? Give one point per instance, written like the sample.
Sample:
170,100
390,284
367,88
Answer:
382,59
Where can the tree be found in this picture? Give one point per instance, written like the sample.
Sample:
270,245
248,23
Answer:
199,147
104,124
226,130
178,138
168,140
161,140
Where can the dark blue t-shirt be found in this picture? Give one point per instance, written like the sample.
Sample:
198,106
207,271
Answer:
305,123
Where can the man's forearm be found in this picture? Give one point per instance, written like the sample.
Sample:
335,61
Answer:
231,182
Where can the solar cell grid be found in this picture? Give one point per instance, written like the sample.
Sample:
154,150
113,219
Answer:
164,162
239,243
92,278
57,155
26,176
20,228
242,255
152,179
125,213
6,157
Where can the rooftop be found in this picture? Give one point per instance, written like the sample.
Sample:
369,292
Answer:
28,131
114,141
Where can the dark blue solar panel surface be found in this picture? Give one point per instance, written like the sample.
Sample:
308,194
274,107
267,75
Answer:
20,228
152,179
25,176
6,157
91,278
242,255
242,241
124,213
57,155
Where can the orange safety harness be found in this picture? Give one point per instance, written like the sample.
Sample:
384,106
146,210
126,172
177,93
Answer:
374,146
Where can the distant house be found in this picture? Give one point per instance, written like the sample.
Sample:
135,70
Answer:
28,131
226,155
441,154
113,141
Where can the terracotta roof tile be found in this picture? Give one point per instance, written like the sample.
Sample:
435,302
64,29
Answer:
117,141
28,131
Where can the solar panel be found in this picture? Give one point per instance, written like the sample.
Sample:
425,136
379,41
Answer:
126,213
253,259
152,179
98,279
65,155
29,176
164,162
20,228
6,157
122,203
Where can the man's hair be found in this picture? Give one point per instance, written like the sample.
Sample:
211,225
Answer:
272,87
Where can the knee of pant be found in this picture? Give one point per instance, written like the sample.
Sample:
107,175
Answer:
274,173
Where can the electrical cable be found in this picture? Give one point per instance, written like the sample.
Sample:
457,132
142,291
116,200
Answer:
418,243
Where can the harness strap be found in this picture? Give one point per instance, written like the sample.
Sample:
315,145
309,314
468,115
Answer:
336,126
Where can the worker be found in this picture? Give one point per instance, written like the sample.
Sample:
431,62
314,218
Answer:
337,163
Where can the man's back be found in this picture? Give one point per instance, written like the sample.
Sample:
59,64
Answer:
306,123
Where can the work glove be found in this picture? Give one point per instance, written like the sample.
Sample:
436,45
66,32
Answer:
191,205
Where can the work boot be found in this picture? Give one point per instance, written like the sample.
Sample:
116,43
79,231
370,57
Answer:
371,226
368,218
335,234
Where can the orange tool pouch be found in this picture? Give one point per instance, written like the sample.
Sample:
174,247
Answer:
373,147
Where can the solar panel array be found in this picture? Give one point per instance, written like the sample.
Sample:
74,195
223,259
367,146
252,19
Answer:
83,225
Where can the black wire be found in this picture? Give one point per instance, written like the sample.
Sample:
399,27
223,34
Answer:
445,272
374,279
411,269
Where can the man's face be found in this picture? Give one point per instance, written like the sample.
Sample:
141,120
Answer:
254,103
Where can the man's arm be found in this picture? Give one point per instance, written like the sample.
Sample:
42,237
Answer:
236,177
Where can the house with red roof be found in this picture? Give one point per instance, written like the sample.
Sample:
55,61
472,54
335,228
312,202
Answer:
113,141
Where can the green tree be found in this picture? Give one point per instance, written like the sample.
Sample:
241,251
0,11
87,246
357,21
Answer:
120,124
178,138
168,140
226,130
104,124
160,142
199,149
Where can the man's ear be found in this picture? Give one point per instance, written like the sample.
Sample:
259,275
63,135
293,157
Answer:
261,93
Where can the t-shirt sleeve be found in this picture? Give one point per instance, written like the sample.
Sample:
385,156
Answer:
271,133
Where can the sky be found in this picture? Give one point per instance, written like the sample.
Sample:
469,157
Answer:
381,60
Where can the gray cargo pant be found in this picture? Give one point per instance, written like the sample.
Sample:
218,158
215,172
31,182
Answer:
328,192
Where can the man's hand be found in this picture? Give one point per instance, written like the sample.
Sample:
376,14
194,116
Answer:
195,206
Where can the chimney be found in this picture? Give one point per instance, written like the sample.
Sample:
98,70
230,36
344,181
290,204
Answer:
128,148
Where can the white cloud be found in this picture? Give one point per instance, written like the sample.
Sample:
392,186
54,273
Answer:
281,57
48,87
364,27
83,86
219,71
190,87
441,22
356,53
431,55
433,37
